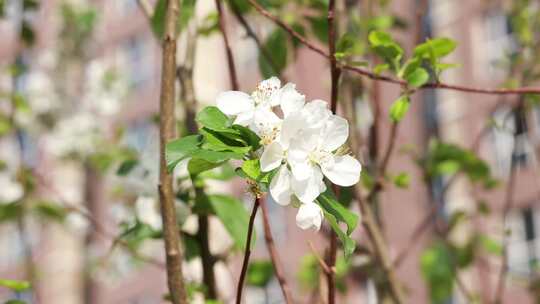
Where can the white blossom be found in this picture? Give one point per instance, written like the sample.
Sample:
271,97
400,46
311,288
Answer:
309,216
10,190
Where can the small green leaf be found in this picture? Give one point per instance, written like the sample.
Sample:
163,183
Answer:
329,204
399,108
379,68
198,165
402,180
348,244
10,211
417,77
126,167
490,245
259,273
15,301
437,268
249,137
438,48
180,149
385,47
319,27
51,211
234,217
252,169
217,156
15,285
213,119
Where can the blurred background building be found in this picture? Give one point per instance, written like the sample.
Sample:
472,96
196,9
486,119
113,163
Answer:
75,264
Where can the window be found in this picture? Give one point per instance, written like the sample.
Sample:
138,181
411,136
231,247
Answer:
510,128
134,60
523,245
499,43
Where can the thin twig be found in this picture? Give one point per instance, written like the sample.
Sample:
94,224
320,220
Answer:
326,269
334,76
146,8
167,131
374,76
230,59
276,262
247,251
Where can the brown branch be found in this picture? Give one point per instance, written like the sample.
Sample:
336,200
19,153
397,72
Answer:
326,269
230,59
276,262
379,245
167,132
374,76
334,77
247,251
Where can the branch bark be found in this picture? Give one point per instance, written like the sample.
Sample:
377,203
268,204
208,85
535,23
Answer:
335,72
247,251
374,76
167,132
274,256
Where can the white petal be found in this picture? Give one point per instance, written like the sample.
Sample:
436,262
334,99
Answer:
291,100
292,124
309,215
309,189
244,118
271,157
269,88
345,171
234,102
280,186
335,134
316,113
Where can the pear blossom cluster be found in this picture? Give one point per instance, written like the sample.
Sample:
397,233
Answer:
304,145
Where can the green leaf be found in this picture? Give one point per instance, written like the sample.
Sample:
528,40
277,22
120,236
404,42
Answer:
417,78
217,141
259,273
234,217
328,203
15,301
223,172
212,118
402,180
15,285
216,156
51,211
385,47
126,167
437,270
379,68
491,245
348,243
399,108
249,137
252,169
197,166
9,212
308,272
276,48
437,48
191,247
180,149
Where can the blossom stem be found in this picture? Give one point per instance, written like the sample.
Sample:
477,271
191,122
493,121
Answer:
247,251
230,59
276,262
167,126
